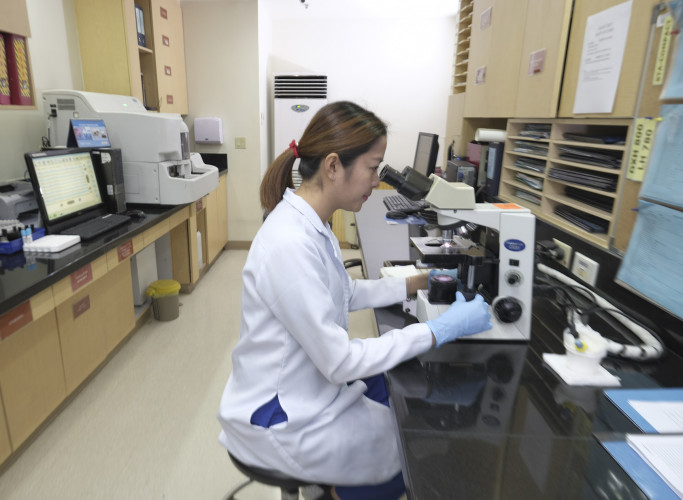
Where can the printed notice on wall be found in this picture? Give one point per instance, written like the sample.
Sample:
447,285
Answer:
603,53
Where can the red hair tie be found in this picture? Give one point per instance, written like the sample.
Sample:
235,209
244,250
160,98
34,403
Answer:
292,146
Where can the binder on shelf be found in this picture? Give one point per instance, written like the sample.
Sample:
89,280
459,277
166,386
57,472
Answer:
17,70
477,154
4,77
140,25
493,168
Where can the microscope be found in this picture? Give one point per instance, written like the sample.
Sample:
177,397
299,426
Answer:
490,244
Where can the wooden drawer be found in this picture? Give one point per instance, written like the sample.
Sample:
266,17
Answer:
31,376
93,321
65,288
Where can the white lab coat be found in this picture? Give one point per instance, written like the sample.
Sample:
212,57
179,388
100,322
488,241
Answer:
294,343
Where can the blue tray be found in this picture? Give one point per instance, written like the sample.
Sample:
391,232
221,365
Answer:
7,247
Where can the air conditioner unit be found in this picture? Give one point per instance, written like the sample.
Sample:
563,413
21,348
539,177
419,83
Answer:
296,99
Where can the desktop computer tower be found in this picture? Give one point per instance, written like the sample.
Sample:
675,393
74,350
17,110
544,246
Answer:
109,167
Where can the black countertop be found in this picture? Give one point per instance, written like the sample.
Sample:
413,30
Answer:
492,421
24,275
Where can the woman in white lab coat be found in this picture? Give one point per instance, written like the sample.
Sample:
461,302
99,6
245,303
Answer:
303,398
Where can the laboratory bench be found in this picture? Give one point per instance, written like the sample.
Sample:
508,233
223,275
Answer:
491,420
63,315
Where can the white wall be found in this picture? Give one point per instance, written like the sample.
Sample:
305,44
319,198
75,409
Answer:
398,67
55,61
221,55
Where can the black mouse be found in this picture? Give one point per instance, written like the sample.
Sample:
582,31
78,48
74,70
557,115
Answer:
136,214
396,214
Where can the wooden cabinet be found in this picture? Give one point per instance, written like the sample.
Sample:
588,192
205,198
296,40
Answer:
93,319
516,56
114,63
492,74
563,178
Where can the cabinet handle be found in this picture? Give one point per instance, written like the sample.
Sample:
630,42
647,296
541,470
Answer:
169,99
163,12
165,40
167,70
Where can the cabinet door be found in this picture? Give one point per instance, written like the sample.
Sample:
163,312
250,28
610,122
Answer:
222,202
169,53
542,61
108,45
5,447
31,376
634,56
497,31
93,321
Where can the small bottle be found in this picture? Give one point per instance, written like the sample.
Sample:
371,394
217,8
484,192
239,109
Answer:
29,235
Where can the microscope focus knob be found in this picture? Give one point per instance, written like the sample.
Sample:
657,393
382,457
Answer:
513,278
507,310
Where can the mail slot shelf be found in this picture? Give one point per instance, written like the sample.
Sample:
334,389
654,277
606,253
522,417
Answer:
540,175
582,166
462,46
565,200
587,195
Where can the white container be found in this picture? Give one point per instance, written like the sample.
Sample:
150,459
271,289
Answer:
585,355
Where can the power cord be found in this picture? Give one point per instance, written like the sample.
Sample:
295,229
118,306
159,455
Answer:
651,348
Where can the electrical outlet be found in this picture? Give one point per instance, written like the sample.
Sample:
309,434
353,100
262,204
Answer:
585,268
240,143
567,258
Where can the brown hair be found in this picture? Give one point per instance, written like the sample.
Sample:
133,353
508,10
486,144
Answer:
340,127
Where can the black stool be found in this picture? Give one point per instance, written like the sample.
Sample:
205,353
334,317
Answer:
289,487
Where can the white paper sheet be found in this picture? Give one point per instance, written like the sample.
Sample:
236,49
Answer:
664,454
601,59
664,416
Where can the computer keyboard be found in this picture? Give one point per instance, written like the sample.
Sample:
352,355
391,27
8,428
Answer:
93,228
402,204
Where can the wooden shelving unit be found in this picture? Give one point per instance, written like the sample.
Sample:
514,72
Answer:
462,46
551,193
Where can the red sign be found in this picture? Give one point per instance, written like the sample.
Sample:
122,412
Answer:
81,306
13,320
125,250
81,277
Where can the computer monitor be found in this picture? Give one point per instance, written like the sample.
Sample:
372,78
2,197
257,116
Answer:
66,187
425,153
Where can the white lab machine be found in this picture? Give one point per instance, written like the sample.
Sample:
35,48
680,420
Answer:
158,167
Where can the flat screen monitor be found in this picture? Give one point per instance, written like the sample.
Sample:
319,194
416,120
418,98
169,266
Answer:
88,134
66,187
425,153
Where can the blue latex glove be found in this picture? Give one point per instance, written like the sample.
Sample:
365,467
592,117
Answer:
448,272
460,319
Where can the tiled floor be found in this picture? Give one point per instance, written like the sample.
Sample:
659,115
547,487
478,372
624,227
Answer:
145,425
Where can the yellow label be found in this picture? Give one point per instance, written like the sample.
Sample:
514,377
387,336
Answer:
641,146
663,51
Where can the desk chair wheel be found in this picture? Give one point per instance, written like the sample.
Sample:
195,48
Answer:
289,486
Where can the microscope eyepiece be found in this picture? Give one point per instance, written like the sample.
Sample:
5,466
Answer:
409,183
